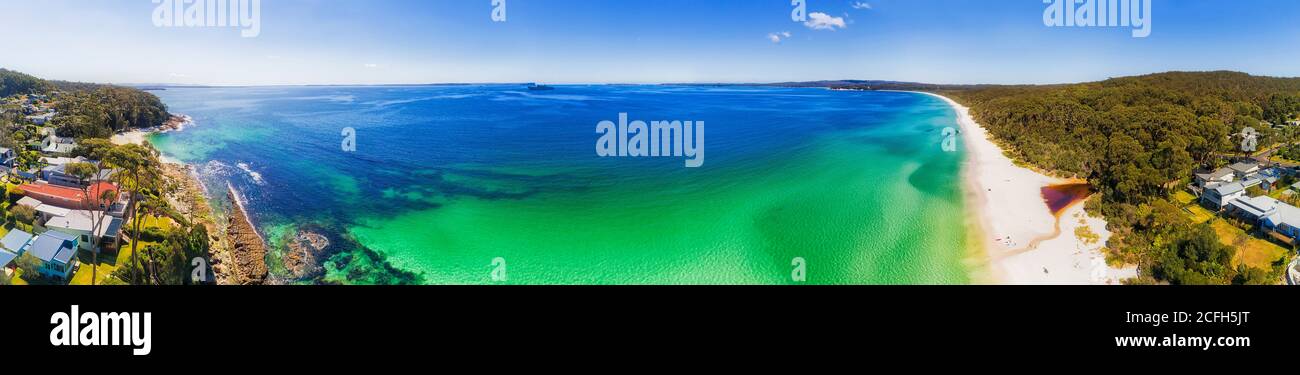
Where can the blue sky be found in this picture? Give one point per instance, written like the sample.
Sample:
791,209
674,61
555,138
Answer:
641,41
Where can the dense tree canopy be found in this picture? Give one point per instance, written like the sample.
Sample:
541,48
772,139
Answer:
15,83
103,111
88,110
1137,140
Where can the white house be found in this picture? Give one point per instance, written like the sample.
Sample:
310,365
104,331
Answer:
1218,196
80,223
58,145
1218,176
1244,170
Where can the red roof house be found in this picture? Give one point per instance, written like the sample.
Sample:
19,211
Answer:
68,197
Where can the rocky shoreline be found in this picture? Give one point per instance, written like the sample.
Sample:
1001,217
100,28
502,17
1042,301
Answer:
248,249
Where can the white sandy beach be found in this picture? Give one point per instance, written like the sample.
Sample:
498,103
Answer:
138,137
1013,216
131,137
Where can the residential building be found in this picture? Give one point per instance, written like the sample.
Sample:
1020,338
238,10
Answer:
57,252
1253,209
70,197
8,157
1218,196
1245,169
1218,176
56,173
12,246
55,144
41,119
81,223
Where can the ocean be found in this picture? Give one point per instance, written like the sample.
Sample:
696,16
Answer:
484,184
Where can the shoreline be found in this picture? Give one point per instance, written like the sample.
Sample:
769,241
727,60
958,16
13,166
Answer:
1022,241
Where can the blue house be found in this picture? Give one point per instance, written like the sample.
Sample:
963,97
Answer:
58,253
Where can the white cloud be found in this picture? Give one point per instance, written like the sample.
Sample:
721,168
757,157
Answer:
372,66
861,5
777,37
823,21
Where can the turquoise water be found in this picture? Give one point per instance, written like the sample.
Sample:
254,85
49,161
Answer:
445,179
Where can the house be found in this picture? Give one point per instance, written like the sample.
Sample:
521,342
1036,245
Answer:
8,157
1281,219
55,144
41,119
7,263
56,173
81,224
69,197
15,241
13,245
1218,176
1245,169
1253,209
1218,196
47,212
57,252
33,203
1286,222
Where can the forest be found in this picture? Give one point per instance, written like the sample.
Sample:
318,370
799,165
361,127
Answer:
87,110
1137,140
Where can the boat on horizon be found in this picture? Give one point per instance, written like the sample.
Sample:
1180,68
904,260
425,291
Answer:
537,87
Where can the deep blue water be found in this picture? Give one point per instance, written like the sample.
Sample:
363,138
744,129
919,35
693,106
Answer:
418,147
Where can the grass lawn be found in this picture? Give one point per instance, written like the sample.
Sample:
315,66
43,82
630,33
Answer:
1193,210
108,263
1254,252
18,278
1197,213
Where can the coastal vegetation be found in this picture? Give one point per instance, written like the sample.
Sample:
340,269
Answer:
1137,141
159,244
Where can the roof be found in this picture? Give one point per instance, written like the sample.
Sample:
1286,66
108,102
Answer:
1234,187
54,246
1216,174
15,240
52,210
66,196
83,221
33,203
1259,207
6,257
1286,214
1244,166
